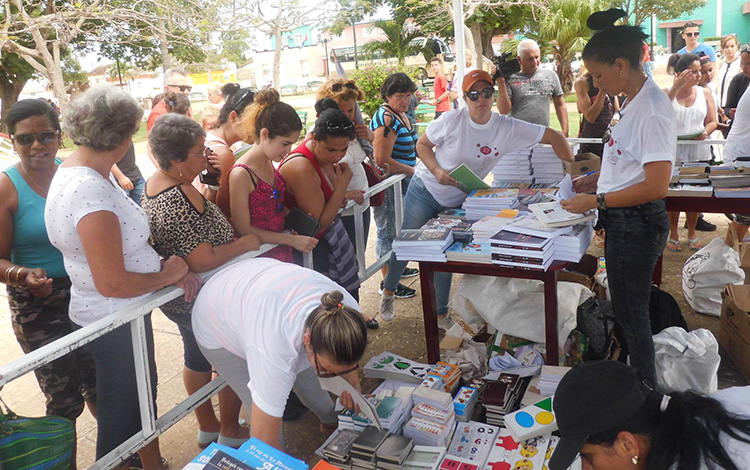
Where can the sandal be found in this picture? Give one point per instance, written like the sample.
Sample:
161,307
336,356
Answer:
599,238
694,245
673,245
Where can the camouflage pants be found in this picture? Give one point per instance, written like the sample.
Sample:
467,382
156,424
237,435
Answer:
66,382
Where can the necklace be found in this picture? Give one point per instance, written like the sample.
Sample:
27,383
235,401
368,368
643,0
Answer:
630,98
27,177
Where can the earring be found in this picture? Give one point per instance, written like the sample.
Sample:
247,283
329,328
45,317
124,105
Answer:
621,72
635,460
180,172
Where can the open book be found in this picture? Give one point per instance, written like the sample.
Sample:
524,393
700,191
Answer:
552,214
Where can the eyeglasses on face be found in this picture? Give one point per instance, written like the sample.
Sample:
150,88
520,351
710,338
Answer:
337,87
326,374
207,152
486,93
403,97
182,88
690,35
44,138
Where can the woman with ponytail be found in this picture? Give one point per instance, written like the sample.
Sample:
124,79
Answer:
269,328
256,194
606,412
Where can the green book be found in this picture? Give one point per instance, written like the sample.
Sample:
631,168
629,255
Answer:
468,181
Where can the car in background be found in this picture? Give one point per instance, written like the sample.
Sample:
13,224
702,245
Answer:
198,96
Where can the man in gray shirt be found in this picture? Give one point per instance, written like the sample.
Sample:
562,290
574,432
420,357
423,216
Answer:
525,95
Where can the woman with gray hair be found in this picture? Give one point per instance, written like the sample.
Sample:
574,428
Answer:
186,224
103,236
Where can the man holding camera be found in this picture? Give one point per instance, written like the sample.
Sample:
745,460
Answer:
525,95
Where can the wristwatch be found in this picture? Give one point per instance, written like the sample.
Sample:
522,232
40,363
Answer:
601,204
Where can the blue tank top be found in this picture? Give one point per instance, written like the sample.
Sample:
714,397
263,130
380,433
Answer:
31,245
405,147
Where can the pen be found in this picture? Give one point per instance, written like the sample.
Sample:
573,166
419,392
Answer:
585,174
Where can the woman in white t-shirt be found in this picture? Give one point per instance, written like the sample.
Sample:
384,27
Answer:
269,327
103,237
729,66
473,136
636,168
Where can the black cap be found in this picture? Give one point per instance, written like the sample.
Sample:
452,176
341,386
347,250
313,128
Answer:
590,399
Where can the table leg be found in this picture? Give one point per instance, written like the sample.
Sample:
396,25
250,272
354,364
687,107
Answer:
550,318
429,312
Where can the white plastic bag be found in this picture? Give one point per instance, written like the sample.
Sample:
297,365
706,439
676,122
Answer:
686,360
516,306
707,272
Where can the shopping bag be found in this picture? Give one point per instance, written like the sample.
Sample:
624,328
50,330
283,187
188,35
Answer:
707,272
686,360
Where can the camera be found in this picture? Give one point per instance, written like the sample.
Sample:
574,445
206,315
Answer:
211,179
505,66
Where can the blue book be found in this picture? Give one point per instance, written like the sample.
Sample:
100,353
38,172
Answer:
258,454
202,459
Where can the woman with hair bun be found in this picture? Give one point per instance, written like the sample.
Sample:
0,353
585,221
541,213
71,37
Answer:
176,102
256,188
269,328
636,168
227,132
317,183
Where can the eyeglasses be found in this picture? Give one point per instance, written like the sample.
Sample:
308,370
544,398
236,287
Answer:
337,87
237,103
327,374
690,35
340,127
276,194
486,93
403,97
182,88
44,138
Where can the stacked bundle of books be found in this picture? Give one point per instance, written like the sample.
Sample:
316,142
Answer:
364,448
532,421
391,411
573,245
476,251
461,228
521,251
464,403
513,167
424,458
337,449
502,397
432,417
547,167
484,202
393,452
482,438
423,244
448,374
387,365
490,225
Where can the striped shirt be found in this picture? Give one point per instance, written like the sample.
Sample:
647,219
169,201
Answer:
405,148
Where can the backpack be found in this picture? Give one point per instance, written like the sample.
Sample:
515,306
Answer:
596,320
664,311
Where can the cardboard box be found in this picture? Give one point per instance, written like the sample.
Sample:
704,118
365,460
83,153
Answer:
584,163
583,272
734,334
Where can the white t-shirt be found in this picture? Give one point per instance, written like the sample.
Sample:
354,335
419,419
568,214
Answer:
738,140
74,193
256,310
459,140
354,158
645,133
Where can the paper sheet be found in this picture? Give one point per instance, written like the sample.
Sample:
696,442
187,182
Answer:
339,385
565,190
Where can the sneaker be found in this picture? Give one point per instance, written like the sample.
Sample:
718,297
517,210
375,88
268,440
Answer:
136,464
703,225
410,272
445,322
387,310
372,324
402,292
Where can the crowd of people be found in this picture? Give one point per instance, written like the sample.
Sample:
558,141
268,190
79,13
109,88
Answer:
88,236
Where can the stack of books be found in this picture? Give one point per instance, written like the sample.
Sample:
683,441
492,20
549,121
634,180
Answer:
513,167
502,397
258,454
490,225
484,202
432,413
454,213
461,228
393,452
476,251
428,244
424,458
547,167
336,451
448,374
573,245
432,417
481,437
532,421
387,365
364,448
464,403
521,251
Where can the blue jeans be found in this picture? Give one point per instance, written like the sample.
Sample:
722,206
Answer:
635,238
385,219
118,411
137,191
422,207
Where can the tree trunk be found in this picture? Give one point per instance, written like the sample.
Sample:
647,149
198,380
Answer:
9,92
486,43
166,59
277,32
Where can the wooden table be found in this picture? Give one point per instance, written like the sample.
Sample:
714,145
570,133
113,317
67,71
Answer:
427,272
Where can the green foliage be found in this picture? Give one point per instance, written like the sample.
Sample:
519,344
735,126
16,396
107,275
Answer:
397,43
370,79
72,71
640,10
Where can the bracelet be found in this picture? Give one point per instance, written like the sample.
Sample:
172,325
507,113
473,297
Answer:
18,274
601,204
7,274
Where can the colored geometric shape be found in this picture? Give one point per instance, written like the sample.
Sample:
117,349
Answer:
545,417
545,404
524,419
386,360
402,365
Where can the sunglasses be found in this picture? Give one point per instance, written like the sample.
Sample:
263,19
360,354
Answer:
182,88
337,87
340,127
326,374
247,93
279,203
486,93
690,35
44,138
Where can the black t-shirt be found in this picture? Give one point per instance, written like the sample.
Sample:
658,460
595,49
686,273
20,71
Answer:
737,87
127,164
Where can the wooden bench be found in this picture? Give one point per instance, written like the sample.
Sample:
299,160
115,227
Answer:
423,112
303,117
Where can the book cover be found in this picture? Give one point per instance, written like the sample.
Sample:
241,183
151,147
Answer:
206,455
468,181
516,241
552,214
530,225
258,454
426,237
223,461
